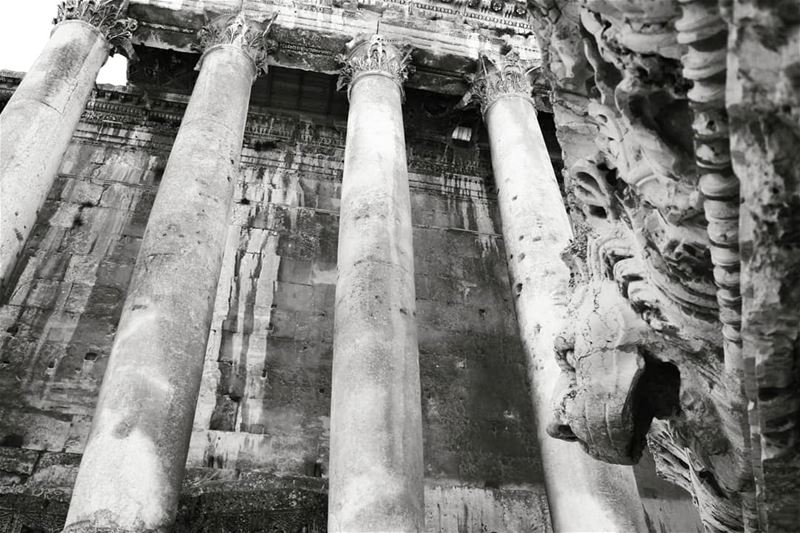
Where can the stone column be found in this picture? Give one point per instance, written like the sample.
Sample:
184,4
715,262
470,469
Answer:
40,118
584,494
131,472
376,467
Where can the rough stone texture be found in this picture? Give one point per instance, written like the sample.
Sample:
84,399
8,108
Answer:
142,424
309,35
763,99
37,125
216,500
655,299
59,321
265,395
639,91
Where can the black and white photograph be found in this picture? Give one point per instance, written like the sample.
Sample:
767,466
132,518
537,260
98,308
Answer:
400,266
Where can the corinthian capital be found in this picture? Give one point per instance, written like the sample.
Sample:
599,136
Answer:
500,77
375,55
238,30
105,15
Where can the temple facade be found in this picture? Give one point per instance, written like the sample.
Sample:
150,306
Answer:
451,266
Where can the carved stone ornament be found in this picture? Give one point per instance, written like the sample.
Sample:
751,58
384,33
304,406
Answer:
237,29
105,15
705,65
500,77
375,54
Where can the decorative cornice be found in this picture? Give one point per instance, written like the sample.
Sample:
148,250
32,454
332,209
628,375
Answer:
105,15
501,77
375,55
238,30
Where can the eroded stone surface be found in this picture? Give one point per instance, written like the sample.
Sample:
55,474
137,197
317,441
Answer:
639,92
763,100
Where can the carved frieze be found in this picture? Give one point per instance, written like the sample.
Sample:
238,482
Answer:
108,16
130,117
375,54
238,30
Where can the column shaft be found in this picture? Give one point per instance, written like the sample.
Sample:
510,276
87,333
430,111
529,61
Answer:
583,494
376,478
36,127
133,464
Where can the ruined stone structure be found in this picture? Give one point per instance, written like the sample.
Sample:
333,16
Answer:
676,121
403,266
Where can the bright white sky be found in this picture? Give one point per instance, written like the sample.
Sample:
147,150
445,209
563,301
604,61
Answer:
24,29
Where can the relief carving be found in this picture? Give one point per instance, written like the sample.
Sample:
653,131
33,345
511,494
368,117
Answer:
650,353
238,30
501,76
601,365
704,32
108,16
375,54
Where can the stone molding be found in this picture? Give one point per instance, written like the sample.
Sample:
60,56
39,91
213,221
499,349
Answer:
238,30
375,55
500,77
312,34
156,121
105,15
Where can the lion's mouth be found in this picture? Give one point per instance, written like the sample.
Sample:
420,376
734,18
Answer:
561,432
655,395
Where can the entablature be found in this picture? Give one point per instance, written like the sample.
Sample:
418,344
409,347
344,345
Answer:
446,38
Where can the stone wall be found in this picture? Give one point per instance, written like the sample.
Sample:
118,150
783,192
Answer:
260,442
59,319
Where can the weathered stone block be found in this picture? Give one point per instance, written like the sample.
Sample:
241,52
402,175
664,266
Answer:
284,323
292,271
81,192
224,415
44,294
78,241
33,429
292,296
67,215
52,266
78,434
18,460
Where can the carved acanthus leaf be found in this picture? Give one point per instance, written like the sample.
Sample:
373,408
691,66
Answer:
376,54
503,76
105,15
238,30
